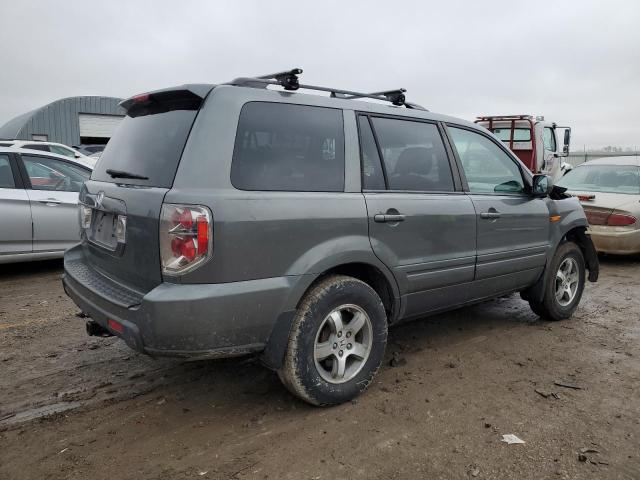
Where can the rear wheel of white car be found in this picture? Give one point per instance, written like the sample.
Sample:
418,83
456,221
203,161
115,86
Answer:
337,342
564,284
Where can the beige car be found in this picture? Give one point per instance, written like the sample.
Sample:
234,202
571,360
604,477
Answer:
609,191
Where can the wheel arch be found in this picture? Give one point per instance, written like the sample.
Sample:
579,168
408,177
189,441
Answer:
578,235
375,274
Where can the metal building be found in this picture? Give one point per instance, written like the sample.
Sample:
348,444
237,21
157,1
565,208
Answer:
71,121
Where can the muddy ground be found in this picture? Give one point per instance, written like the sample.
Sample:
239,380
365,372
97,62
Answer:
77,407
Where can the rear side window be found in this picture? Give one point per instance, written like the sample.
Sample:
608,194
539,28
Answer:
6,176
519,134
53,174
284,147
414,156
148,145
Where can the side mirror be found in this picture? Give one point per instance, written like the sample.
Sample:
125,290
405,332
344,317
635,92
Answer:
542,186
567,141
77,155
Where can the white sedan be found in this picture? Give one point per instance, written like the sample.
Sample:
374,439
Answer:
609,191
38,203
57,148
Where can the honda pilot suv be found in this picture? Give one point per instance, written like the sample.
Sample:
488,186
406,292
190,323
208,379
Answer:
245,217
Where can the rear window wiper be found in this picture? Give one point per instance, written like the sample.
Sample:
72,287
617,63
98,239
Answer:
123,174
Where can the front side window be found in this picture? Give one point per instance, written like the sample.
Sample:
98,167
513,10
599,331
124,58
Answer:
286,147
549,139
414,155
6,176
54,175
487,167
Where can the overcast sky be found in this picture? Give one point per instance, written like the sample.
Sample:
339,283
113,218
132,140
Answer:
577,63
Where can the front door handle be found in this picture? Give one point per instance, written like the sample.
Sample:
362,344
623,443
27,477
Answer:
51,202
388,218
490,215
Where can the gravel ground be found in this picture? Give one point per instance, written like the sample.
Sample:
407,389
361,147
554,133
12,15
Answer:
77,407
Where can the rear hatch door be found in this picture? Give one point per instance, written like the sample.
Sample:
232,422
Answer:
129,182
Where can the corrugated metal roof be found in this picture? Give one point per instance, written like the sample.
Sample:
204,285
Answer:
58,120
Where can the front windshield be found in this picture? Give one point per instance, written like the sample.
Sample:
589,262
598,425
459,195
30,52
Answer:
603,178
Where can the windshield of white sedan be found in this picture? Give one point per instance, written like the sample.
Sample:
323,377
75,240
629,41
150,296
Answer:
603,178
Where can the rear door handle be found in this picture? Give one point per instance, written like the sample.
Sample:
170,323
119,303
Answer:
388,218
490,215
52,202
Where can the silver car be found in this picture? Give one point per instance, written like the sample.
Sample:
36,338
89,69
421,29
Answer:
609,190
38,204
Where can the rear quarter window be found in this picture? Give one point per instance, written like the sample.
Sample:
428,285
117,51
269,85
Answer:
36,146
285,147
6,175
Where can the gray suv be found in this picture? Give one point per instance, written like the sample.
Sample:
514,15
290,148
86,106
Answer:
233,219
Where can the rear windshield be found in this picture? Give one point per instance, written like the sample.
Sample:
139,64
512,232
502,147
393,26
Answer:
603,178
519,134
148,146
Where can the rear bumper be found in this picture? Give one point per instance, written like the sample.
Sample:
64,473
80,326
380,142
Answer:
616,240
194,320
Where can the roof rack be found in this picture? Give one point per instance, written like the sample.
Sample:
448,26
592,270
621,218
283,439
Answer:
485,118
290,82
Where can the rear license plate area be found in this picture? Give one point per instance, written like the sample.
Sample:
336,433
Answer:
103,230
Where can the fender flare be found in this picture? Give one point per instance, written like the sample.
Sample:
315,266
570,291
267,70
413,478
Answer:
273,355
580,237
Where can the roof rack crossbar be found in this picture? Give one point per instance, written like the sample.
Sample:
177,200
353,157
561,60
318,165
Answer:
288,79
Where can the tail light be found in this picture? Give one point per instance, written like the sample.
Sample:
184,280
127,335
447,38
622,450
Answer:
596,217
84,214
620,220
186,237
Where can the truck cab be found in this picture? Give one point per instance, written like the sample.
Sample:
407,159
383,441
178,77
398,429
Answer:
533,140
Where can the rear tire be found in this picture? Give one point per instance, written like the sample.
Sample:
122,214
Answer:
337,342
565,280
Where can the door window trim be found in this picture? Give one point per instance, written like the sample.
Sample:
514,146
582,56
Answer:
526,177
361,159
453,167
15,168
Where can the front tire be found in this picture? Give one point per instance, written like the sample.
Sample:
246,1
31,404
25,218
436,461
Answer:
564,284
337,342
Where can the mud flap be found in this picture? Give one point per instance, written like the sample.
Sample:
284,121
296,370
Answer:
580,237
273,355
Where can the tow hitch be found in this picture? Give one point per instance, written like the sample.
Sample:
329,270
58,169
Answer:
96,330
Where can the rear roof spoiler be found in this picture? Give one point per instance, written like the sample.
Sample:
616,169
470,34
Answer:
188,97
